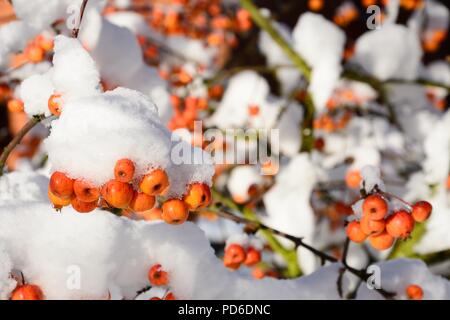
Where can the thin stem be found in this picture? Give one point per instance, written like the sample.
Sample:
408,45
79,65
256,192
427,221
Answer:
76,30
362,274
17,139
267,26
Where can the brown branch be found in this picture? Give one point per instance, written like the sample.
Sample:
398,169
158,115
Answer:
362,274
17,139
76,30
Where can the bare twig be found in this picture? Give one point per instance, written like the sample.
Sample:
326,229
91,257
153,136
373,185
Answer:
76,30
17,139
362,274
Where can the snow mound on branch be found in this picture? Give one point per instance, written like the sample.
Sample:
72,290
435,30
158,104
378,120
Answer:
116,51
93,133
23,187
322,51
246,89
74,75
394,51
59,247
288,204
240,181
42,13
397,274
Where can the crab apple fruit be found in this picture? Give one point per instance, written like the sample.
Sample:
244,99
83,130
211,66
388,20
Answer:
61,185
353,179
198,196
400,224
157,276
421,211
234,256
124,170
83,207
152,214
258,273
85,191
55,104
375,207
45,43
118,194
355,233
252,257
414,292
370,226
34,53
27,292
57,201
169,296
381,241
15,105
174,211
141,202
154,183
155,298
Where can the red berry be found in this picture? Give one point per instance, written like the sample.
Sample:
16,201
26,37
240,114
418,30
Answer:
355,232
421,211
400,224
157,276
414,292
375,207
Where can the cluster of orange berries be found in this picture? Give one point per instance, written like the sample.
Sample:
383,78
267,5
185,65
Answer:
381,229
158,277
432,39
186,111
236,255
35,51
119,193
326,122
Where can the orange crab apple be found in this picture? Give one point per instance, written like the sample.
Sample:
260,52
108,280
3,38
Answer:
141,202
414,292
34,53
198,196
15,105
169,296
157,276
27,292
124,170
353,179
253,257
234,256
57,201
83,207
85,191
355,233
61,185
421,211
175,211
381,241
154,183
400,224
375,207
370,226
55,104
118,194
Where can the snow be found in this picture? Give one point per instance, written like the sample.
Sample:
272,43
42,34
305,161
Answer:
13,38
397,274
241,179
118,258
23,187
372,178
74,75
393,51
288,203
288,75
322,51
